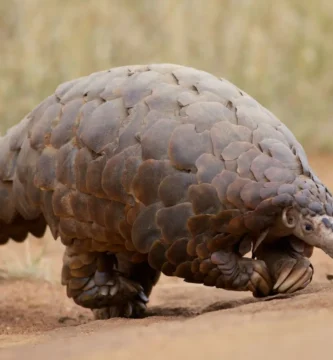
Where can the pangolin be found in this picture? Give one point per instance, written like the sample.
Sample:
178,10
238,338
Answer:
163,168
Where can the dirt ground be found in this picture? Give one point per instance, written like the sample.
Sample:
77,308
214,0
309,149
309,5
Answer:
38,321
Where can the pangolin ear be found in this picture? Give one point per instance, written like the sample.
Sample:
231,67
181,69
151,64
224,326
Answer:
289,217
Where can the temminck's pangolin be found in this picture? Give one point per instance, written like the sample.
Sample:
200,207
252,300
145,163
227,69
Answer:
163,168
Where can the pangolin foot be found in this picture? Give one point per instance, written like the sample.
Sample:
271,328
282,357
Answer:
290,270
292,275
119,297
242,274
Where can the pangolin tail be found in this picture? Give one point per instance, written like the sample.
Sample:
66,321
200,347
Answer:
20,211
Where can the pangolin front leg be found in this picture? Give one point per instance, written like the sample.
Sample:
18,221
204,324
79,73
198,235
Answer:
288,264
94,281
240,274
207,263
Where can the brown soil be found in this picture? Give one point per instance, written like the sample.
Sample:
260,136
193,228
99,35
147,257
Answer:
38,321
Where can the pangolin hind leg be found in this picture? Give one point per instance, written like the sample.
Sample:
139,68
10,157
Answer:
141,274
288,263
94,280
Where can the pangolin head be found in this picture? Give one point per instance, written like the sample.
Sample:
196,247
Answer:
315,230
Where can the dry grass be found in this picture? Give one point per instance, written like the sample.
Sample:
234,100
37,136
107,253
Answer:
35,258
31,266
279,52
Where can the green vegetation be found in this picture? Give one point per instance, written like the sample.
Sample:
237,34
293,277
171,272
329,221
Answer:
279,52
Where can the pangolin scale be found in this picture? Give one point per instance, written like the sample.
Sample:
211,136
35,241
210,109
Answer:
162,168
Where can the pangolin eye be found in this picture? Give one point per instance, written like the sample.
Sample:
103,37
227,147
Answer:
308,227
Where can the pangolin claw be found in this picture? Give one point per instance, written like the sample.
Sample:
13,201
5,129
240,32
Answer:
283,276
124,298
302,283
143,297
130,309
260,280
294,277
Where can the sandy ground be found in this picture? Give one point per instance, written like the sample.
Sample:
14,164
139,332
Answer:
38,321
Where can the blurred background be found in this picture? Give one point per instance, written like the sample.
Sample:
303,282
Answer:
278,52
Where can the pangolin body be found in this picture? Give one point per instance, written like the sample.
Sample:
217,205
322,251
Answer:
163,164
